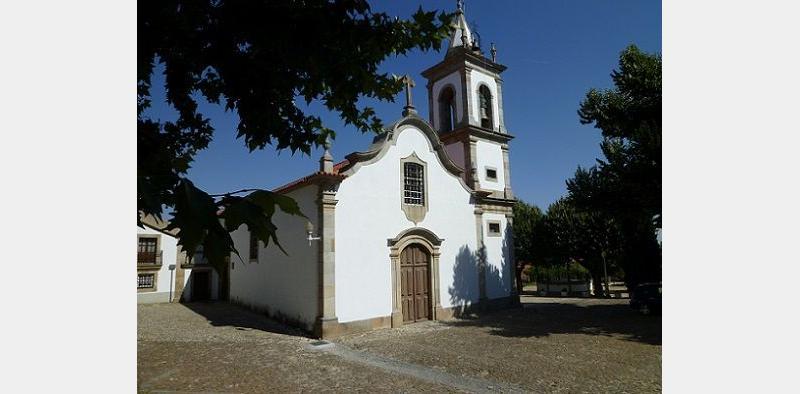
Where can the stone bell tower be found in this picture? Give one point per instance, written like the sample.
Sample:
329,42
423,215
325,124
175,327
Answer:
465,103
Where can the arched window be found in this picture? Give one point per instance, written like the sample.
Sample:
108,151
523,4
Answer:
485,97
447,109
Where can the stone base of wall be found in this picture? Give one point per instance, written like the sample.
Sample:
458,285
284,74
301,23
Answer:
477,308
332,328
328,329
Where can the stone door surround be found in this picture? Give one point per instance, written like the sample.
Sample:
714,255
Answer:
431,243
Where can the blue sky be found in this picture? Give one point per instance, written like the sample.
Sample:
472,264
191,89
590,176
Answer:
555,50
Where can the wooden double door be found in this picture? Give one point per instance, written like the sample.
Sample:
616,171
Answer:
415,272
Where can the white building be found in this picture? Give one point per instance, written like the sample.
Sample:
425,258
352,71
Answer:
163,272
417,227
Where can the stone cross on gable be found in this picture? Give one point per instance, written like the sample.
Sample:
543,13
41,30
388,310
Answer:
409,108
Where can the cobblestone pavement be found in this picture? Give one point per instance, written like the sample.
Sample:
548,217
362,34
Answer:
226,349
548,345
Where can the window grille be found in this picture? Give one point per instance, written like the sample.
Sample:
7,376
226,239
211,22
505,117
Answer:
146,281
414,184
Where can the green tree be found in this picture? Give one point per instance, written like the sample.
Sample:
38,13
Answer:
527,220
587,237
626,184
257,58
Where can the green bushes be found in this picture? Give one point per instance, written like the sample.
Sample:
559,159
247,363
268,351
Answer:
558,273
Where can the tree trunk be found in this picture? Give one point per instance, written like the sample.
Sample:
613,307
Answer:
597,282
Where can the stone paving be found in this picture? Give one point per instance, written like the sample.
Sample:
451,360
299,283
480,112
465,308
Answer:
548,345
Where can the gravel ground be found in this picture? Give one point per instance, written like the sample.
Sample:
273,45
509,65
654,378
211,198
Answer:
549,345
224,348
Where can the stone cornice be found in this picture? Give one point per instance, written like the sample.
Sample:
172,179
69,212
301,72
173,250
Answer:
475,131
459,58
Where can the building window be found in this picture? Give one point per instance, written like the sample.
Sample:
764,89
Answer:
414,184
253,247
491,174
485,97
146,281
447,109
414,195
148,250
494,229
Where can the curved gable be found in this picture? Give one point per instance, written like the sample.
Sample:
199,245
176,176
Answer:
382,143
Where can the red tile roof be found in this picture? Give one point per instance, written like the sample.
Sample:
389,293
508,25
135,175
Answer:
304,180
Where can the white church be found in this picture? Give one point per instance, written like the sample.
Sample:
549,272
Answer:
417,227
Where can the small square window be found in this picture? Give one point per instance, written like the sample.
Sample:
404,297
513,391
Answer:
494,229
491,174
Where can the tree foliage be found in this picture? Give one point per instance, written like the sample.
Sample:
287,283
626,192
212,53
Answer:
625,186
257,58
527,219
587,237
628,180
566,235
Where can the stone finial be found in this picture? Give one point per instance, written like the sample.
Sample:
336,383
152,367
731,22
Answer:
409,108
326,161
494,53
459,5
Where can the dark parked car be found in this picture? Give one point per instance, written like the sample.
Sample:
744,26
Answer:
646,298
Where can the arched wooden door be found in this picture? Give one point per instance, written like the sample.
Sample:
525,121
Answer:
415,283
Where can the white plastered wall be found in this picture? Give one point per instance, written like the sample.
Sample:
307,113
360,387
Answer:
477,79
369,212
169,247
281,284
453,79
498,267
490,155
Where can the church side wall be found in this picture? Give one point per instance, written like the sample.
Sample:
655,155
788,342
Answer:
369,213
477,79
281,285
498,263
490,155
453,79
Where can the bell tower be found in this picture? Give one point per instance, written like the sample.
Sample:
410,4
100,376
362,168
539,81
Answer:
465,104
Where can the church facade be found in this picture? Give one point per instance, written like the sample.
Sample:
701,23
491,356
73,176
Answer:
417,227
